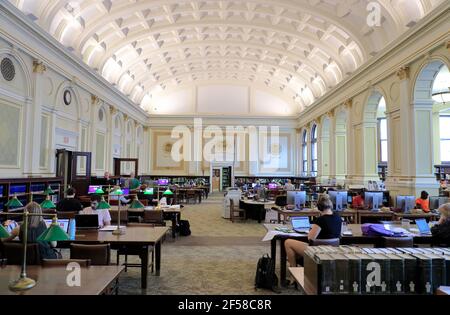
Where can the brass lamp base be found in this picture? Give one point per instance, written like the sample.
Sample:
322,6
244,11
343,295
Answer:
22,284
118,231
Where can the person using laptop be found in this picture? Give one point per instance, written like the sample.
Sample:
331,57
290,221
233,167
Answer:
104,217
70,203
327,226
36,226
441,230
423,202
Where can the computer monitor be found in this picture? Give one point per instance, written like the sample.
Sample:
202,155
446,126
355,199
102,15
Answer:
436,202
373,200
93,188
292,198
163,182
126,191
338,198
273,186
254,185
406,203
63,223
149,191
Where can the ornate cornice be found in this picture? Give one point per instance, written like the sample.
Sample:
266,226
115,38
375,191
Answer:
39,67
403,73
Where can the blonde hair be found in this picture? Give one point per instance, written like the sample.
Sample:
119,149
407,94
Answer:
324,202
445,210
34,208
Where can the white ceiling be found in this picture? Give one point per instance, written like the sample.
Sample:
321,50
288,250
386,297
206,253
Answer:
299,49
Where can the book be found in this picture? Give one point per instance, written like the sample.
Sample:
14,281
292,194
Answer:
380,275
341,274
410,272
326,273
354,273
396,274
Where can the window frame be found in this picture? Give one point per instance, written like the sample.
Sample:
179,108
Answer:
314,153
305,152
442,139
379,141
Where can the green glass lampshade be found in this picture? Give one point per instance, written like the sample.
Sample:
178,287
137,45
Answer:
48,191
136,204
99,191
103,204
48,204
3,232
14,203
53,233
167,192
148,191
117,192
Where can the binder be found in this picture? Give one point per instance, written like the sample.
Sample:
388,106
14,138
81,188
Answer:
354,273
425,273
383,287
447,269
341,273
326,273
366,285
397,274
410,272
438,271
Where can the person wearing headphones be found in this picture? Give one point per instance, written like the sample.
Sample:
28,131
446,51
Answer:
327,226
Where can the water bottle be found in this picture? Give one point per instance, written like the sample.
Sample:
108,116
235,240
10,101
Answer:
72,228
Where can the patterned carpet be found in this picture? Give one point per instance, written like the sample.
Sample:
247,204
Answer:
218,258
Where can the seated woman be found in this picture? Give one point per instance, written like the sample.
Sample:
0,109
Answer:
104,217
441,230
36,226
327,226
423,202
358,201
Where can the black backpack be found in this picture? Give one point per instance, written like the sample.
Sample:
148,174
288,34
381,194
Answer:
265,274
184,228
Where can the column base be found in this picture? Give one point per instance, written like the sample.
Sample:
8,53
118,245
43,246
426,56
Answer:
412,185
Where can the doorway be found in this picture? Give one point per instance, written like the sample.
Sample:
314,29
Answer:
216,179
221,177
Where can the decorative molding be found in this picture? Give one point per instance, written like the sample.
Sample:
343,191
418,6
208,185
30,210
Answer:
39,67
112,110
403,73
348,103
94,99
447,45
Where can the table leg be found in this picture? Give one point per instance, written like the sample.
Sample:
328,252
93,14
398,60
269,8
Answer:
273,250
282,263
157,257
279,218
174,225
144,267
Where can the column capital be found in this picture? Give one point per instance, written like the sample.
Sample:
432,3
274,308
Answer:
39,67
112,110
403,73
348,103
447,45
94,99
145,128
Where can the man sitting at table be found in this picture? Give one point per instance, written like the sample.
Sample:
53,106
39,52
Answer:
423,202
69,203
358,201
104,217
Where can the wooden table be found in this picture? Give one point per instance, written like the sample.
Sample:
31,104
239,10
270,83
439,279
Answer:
356,238
198,192
52,280
142,237
389,215
417,215
256,209
174,214
347,213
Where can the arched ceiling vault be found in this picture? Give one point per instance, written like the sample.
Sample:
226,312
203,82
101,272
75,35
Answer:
302,48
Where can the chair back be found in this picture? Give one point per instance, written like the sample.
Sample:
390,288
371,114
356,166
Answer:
115,216
281,201
154,216
398,241
114,202
65,262
99,254
14,253
66,214
144,202
328,242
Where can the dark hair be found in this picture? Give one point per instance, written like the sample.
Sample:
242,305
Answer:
423,195
96,197
324,202
71,191
361,193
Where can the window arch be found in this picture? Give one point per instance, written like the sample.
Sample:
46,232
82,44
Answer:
314,150
305,153
382,132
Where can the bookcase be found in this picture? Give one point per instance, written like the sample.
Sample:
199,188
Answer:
176,179
24,187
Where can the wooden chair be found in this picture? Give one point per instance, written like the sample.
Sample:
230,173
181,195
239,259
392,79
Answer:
66,214
14,253
64,262
99,254
191,195
115,216
155,217
406,241
144,202
236,213
328,242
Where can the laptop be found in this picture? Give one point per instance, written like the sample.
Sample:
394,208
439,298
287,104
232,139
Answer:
86,221
423,227
63,224
301,224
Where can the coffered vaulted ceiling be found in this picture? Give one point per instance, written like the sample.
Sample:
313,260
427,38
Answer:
297,49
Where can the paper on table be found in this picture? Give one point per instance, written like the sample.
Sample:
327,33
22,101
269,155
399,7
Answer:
271,234
111,228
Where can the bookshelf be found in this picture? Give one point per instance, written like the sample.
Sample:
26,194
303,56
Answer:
23,187
176,179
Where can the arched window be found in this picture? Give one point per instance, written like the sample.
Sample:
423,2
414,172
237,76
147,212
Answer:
305,153
382,132
444,126
314,150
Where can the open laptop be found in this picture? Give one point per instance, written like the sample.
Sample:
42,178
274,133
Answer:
86,221
301,224
423,227
63,224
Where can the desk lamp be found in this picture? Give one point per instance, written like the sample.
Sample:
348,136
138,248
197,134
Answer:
103,204
53,233
48,191
3,232
136,204
99,190
118,231
14,203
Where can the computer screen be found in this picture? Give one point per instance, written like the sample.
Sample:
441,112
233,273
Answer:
300,223
373,200
163,181
63,223
436,202
126,191
93,188
291,197
148,191
406,203
273,186
423,226
253,185
339,199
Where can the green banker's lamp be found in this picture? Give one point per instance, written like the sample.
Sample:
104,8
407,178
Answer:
3,232
53,233
118,231
99,191
14,203
48,191
48,203
136,204
167,192
103,204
